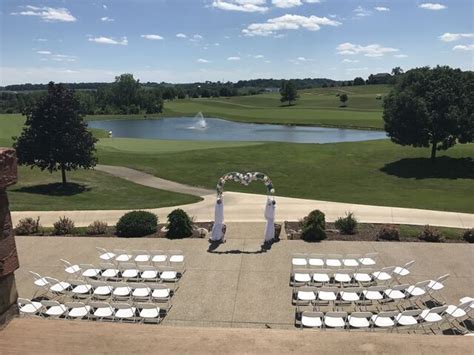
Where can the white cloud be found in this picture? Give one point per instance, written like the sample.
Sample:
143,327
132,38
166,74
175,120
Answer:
451,37
258,56
181,35
201,60
288,22
152,37
104,6
350,61
109,40
197,36
106,19
371,50
233,58
358,69
41,40
432,6
400,56
285,4
217,44
43,52
381,8
63,58
361,12
462,47
301,59
47,14
241,5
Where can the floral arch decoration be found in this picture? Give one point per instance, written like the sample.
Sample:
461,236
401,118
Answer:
245,179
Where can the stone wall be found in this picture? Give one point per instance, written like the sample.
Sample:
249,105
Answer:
8,254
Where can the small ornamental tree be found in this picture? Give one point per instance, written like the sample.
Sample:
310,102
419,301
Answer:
55,136
431,108
288,92
343,98
179,225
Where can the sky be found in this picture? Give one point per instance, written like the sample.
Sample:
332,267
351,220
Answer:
228,40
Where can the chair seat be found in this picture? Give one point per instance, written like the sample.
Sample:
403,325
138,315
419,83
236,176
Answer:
358,322
306,295
382,276
316,262
103,290
41,282
302,277
362,277
79,312
142,258
326,296
395,294
150,312
455,312
121,291
158,258
430,317
109,273
168,275
372,295
91,273
299,261
82,289
60,287
177,259
349,296
141,292
333,262
436,286
416,291
123,257
321,278
130,273
56,310
31,308
107,256
311,321
161,293
401,271
406,320
334,322
103,312
382,322
125,312
350,262
149,274
367,261
342,278
72,269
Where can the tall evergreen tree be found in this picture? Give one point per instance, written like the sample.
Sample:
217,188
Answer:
288,92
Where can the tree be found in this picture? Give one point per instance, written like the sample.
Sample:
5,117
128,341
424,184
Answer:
431,108
288,92
343,98
359,81
397,71
125,91
55,136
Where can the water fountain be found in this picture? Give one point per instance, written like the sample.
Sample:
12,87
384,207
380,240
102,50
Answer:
200,122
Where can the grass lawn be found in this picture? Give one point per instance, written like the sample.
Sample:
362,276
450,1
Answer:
375,172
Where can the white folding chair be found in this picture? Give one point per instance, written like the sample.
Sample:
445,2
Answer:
101,311
301,277
158,256
124,312
459,313
322,276
105,254
101,289
141,292
80,289
56,286
396,293
28,307
359,320
311,319
305,296
384,319
129,271
122,291
70,268
334,260
407,319
148,273
315,260
299,260
169,274
40,282
403,270
141,256
176,259
53,309
343,276
77,310
433,316
89,270
335,319
363,276
326,295
350,295
437,285
160,293
109,271
149,312
384,274
351,260
122,256
373,294
417,291
369,259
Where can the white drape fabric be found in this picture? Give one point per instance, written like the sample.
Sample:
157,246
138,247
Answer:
270,217
217,234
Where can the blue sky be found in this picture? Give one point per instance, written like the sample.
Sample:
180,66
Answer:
197,40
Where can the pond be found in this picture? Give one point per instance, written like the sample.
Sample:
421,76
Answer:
210,129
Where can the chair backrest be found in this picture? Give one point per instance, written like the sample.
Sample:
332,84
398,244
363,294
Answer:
36,276
313,314
422,284
121,284
365,271
146,268
105,266
442,278
351,290
101,250
98,283
438,310
352,256
409,264
411,312
23,301
344,271
121,306
376,288
140,252
322,271
147,306
387,314
302,271
157,252
76,282
336,314
371,255
334,256
315,256
465,305
402,287
328,289
140,285
128,266
75,305
166,268
306,289
100,305
155,286
361,314
48,303
51,280
175,252
388,269
65,263
299,256
86,266
121,251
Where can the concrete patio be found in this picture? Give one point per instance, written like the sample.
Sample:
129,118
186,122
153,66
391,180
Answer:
238,285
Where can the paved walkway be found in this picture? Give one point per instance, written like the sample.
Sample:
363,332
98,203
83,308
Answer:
243,207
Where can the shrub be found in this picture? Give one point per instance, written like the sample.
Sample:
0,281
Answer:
468,235
347,224
137,224
27,226
63,226
179,224
430,234
388,232
313,226
97,227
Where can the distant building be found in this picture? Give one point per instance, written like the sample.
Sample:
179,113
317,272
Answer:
272,89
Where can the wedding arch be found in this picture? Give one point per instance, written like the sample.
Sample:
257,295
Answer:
244,179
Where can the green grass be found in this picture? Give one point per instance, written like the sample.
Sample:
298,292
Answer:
410,231
375,172
89,190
